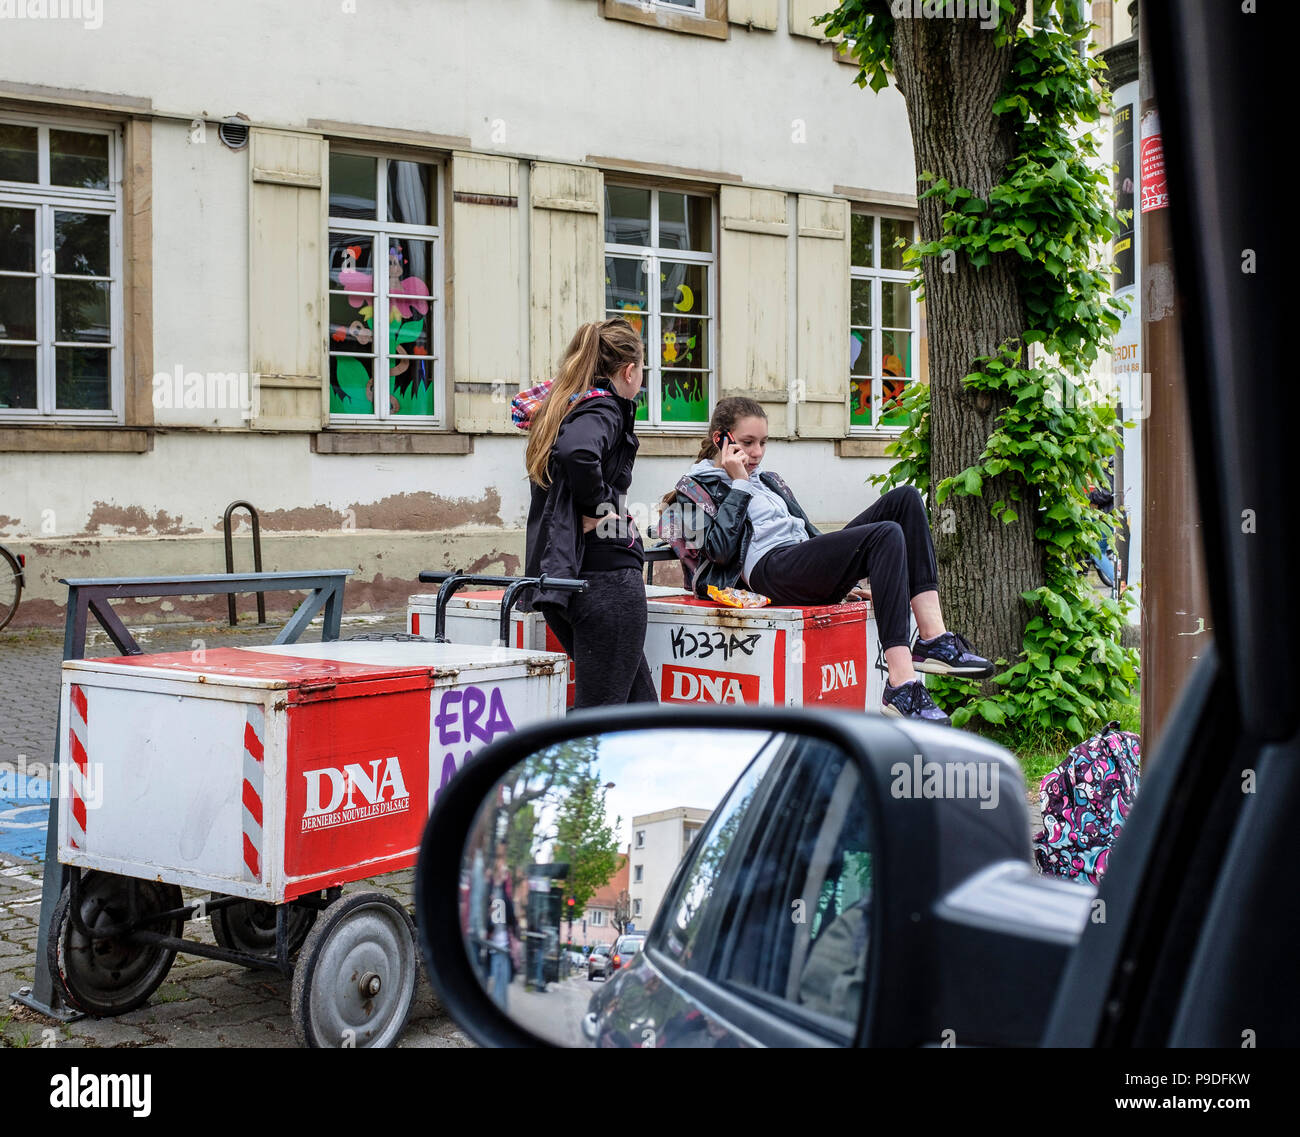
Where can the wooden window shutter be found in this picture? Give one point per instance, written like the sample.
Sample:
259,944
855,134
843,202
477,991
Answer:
566,259
487,349
823,318
287,222
753,13
802,13
754,300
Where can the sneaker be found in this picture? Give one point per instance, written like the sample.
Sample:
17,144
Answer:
912,701
949,654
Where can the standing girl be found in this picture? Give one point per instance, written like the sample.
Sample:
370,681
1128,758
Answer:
581,447
745,525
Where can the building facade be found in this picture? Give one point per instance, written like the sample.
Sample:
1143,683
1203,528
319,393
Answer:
659,842
305,254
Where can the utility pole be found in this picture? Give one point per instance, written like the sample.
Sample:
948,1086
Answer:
1175,604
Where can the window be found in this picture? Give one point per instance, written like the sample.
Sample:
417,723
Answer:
660,276
882,323
385,327
60,272
636,874
640,838
597,917
685,939
636,908
816,847
696,17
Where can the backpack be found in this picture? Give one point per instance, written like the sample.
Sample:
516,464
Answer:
677,528
1085,802
525,405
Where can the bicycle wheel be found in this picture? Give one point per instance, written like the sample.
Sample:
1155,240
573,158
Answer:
11,585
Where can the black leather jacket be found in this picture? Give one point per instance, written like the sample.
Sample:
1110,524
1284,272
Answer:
716,519
591,469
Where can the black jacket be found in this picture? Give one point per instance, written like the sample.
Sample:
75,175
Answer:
591,470
717,525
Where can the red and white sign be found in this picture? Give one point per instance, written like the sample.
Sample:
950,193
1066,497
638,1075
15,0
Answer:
1155,189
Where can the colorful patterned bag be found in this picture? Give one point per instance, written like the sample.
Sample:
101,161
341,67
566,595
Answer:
525,405
1086,802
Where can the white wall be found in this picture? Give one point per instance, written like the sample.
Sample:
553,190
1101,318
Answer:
560,80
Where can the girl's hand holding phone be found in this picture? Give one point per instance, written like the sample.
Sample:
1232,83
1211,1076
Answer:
731,456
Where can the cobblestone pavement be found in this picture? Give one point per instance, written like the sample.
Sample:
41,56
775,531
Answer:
203,1002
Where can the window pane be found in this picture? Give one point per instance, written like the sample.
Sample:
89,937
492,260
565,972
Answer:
17,239
627,215
81,379
684,396
890,230
860,400
411,383
891,414
625,285
352,186
859,352
710,852
814,848
412,193
639,324
79,159
17,307
410,273
683,288
351,265
17,378
351,320
685,222
18,153
896,300
860,296
685,342
861,251
351,385
81,244
896,354
81,310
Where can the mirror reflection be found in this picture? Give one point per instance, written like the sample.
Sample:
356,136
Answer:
635,888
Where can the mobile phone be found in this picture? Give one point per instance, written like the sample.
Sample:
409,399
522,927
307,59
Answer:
725,439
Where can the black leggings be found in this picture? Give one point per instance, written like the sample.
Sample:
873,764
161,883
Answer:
603,632
889,542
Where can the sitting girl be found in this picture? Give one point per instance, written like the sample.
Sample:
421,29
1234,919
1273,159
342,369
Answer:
748,530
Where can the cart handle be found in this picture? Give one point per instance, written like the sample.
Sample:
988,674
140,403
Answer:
449,582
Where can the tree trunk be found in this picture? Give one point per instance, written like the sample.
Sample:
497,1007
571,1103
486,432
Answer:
950,73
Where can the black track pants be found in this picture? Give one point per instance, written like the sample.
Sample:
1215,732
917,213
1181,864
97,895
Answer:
603,632
889,542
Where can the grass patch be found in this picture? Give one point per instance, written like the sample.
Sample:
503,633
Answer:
1040,752
170,993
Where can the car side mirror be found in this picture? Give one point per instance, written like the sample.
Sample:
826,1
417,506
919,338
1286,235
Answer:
761,877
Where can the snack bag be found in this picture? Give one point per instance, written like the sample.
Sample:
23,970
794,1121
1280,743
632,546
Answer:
737,597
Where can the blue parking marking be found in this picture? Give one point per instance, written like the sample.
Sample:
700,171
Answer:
24,813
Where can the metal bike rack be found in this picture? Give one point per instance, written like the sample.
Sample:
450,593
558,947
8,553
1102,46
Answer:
257,556
87,597
449,582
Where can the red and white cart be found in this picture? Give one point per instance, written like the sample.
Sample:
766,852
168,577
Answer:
268,777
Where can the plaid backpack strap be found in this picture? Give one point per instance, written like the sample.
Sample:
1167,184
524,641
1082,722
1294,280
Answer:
525,405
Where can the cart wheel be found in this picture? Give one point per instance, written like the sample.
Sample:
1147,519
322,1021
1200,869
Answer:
105,977
250,926
355,978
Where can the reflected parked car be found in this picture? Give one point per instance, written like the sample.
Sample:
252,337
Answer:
598,962
626,948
